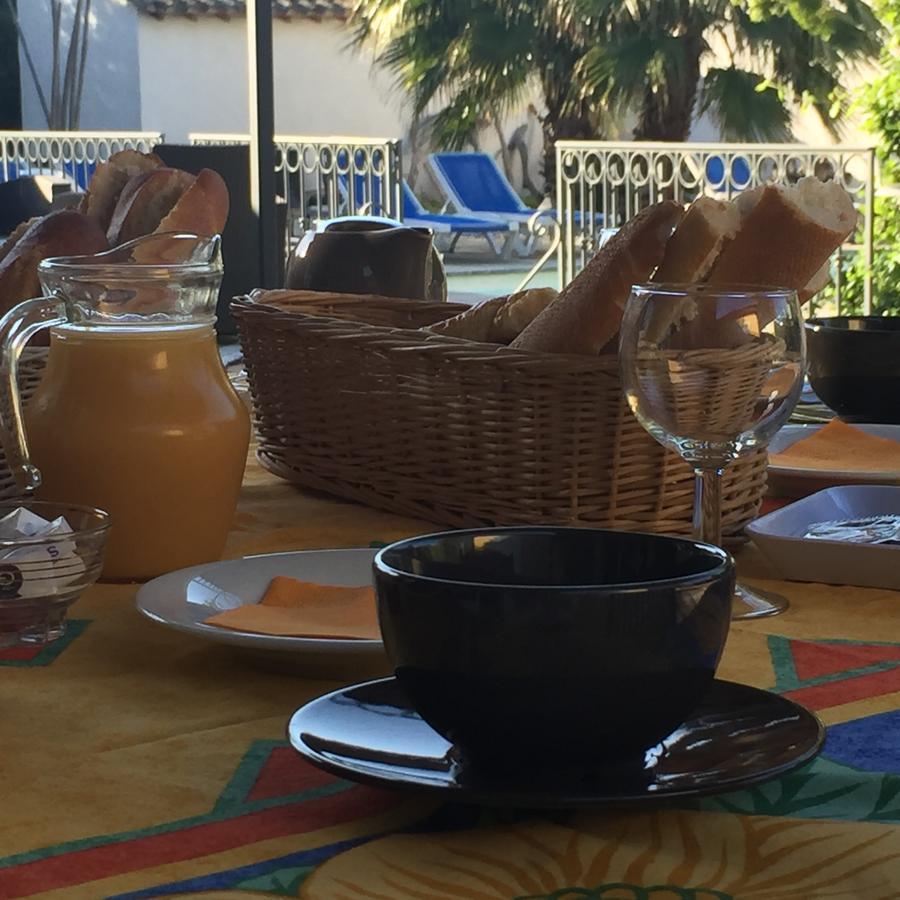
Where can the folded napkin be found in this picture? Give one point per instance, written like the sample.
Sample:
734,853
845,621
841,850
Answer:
841,446
292,608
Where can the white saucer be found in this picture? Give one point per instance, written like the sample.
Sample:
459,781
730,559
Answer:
794,481
182,600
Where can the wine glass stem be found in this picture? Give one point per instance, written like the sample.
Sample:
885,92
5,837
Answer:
708,505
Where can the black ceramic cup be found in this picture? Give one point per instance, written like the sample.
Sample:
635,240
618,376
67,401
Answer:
534,645
854,366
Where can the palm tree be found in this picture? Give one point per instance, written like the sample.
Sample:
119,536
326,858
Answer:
595,59
476,59
775,52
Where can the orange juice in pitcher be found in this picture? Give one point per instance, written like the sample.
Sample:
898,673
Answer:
135,413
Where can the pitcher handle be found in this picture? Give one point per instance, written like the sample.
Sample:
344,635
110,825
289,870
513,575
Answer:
17,327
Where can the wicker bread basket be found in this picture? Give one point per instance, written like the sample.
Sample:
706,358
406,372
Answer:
351,398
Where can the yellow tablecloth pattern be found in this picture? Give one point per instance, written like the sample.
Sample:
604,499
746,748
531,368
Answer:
139,762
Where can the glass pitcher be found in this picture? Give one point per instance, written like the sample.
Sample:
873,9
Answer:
135,413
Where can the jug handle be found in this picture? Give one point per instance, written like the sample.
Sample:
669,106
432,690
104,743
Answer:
21,323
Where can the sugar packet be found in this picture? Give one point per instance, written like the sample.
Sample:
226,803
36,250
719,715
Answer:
39,569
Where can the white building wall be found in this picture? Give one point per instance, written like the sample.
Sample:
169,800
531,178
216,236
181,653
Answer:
194,78
112,96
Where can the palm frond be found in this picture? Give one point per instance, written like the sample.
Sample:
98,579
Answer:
744,106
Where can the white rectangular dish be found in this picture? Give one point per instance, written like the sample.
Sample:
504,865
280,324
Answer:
779,536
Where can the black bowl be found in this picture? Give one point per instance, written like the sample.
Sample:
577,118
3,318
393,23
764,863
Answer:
854,366
541,644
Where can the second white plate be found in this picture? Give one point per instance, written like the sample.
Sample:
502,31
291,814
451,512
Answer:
182,600
792,481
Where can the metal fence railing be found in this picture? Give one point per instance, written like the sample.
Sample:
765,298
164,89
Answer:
599,184
324,177
603,183
68,155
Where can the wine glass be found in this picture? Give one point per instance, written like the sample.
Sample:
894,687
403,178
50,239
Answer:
713,372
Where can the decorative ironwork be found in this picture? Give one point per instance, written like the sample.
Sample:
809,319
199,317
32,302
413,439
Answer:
324,177
68,155
600,184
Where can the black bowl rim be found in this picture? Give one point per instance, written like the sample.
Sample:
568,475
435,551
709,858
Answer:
725,561
821,323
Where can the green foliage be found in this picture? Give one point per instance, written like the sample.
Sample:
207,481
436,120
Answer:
881,101
885,265
882,96
594,58
728,94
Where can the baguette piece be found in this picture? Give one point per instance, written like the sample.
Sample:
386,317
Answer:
146,200
690,253
588,311
202,209
497,321
63,233
698,240
11,241
109,180
786,234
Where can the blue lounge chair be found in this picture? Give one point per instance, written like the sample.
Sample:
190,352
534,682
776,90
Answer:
475,186
368,201
415,215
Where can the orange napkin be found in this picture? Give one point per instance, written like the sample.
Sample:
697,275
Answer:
292,608
841,446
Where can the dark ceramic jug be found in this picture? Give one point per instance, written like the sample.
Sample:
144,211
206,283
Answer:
357,255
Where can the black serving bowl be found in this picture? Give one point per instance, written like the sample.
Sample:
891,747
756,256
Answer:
854,366
541,644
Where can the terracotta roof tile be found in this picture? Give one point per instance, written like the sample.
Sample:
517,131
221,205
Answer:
226,9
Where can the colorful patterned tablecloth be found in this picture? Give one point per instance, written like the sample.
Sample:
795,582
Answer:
139,762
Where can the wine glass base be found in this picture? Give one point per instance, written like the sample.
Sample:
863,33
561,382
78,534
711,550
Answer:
754,603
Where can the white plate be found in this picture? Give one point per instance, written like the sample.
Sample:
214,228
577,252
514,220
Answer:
183,599
794,481
779,536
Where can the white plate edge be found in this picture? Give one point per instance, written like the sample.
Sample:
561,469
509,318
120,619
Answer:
252,639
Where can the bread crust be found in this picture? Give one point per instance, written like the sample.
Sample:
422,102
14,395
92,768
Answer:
499,320
66,232
588,312
690,253
11,241
110,178
145,201
778,243
697,241
202,209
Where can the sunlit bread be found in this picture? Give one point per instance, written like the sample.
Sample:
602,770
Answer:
588,311
698,240
110,178
145,201
497,321
63,233
202,209
786,235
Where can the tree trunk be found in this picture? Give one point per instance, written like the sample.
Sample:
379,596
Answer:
560,124
666,114
505,155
